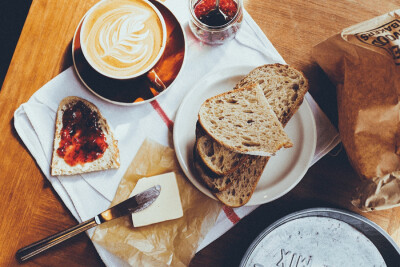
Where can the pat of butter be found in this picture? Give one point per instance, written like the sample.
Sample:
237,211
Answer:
166,207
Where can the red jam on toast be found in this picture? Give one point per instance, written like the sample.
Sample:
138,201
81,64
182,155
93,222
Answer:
82,139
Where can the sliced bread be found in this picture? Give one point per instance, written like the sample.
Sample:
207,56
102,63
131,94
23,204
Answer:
216,158
283,86
209,173
83,141
246,179
213,182
243,121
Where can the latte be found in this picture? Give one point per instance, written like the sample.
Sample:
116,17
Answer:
123,38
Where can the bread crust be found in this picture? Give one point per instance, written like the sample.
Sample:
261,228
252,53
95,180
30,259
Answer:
110,158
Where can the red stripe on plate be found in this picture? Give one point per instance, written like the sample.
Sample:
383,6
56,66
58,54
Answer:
164,117
230,213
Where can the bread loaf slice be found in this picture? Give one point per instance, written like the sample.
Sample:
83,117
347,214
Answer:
244,183
80,154
213,182
243,121
283,86
216,158
206,174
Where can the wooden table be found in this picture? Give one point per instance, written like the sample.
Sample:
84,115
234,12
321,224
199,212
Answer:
30,208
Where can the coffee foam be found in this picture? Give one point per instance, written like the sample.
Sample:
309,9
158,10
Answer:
122,38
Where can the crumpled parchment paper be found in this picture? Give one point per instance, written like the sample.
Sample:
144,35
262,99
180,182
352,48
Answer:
169,243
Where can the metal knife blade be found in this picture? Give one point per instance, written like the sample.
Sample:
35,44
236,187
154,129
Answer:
133,204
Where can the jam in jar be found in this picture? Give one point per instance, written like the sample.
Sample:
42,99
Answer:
213,25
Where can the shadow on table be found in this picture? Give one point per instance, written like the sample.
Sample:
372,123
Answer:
67,58
323,91
12,18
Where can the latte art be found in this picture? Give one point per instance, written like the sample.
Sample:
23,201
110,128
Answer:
123,38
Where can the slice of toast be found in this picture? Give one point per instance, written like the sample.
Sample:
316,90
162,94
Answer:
243,121
83,141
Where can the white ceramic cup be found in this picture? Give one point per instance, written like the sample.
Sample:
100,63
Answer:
123,39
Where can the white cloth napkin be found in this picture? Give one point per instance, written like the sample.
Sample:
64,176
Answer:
88,194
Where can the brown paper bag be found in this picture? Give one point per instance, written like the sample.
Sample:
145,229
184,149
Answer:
170,243
364,63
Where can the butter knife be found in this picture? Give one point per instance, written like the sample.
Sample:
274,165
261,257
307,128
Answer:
133,204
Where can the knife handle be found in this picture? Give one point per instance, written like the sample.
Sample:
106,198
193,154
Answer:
42,245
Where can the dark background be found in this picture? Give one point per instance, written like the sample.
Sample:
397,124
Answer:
12,18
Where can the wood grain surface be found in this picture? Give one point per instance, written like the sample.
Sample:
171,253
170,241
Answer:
31,209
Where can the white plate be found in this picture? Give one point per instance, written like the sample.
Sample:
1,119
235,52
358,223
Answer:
283,171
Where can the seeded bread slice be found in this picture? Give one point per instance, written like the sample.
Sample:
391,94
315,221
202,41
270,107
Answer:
241,189
243,121
110,158
283,86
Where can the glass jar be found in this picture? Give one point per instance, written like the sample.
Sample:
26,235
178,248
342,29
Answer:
215,35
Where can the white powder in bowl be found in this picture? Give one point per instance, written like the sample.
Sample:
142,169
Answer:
315,241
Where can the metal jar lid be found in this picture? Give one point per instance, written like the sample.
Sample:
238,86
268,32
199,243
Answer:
322,237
